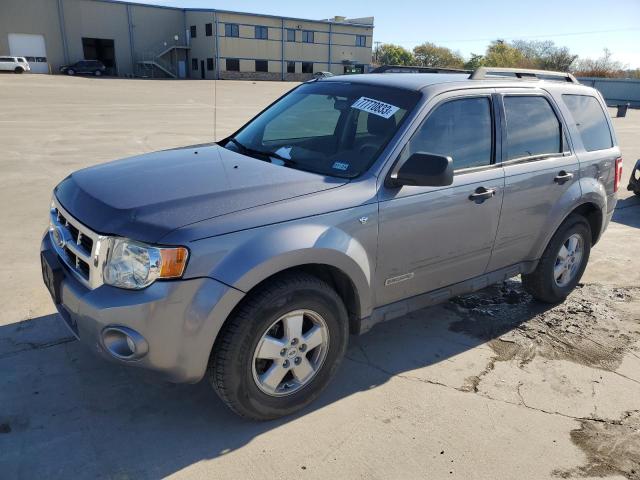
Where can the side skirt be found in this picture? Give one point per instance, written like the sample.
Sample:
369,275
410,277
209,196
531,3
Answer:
403,307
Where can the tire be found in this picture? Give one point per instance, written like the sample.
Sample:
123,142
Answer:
543,283
71,71
233,366
97,73
19,70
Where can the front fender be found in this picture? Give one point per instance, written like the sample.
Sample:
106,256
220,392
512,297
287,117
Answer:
246,258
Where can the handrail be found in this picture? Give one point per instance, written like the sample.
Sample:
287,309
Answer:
482,73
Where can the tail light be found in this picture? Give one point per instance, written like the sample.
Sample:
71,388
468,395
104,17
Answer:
618,177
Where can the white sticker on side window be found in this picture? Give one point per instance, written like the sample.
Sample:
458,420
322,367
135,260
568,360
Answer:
375,107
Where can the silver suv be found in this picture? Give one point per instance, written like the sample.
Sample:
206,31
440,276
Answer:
346,202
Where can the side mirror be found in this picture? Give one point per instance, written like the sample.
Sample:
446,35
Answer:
424,170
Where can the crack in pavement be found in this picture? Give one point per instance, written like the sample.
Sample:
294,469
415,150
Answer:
30,346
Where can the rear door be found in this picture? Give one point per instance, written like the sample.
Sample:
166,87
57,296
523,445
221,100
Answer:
432,237
540,168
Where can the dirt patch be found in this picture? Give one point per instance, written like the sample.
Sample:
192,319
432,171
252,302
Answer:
612,448
596,326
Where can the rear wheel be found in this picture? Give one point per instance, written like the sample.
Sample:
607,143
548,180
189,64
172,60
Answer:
563,262
281,347
19,70
71,71
97,73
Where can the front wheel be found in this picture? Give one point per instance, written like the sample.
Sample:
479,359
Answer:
71,71
563,262
97,73
19,70
281,347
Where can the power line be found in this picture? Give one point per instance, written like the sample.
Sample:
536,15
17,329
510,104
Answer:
514,37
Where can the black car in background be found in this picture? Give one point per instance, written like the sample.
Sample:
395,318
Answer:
85,67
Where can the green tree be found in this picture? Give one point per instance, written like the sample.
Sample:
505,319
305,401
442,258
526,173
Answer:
501,54
604,66
389,54
431,55
544,54
474,62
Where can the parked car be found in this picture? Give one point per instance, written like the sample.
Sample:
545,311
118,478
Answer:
85,67
348,201
14,64
634,179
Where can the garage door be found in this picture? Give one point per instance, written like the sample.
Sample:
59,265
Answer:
31,47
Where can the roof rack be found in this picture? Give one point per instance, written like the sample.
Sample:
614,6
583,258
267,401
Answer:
522,73
415,69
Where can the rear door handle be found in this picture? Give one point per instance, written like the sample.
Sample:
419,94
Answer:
481,194
563,177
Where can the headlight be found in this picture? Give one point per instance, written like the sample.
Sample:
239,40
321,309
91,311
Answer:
134,265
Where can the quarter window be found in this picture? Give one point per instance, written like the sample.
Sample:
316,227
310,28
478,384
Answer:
532,127
262,32
590,120
307,36
460,129
231,30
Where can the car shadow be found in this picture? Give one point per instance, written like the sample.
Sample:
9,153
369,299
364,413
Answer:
71,408
627,212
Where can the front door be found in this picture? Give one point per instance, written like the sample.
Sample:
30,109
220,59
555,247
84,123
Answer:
539,167
432,237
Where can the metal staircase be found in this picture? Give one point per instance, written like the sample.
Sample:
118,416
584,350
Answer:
163,63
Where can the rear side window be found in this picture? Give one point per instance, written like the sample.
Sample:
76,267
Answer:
460,129
590,120
532,127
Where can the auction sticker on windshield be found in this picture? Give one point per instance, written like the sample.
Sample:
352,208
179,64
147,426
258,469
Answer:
375,107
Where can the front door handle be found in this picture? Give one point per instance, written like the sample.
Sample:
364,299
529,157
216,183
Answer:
481,194
563,177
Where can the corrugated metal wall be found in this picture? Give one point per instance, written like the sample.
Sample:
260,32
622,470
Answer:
616,91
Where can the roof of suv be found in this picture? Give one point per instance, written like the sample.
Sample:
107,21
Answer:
418,81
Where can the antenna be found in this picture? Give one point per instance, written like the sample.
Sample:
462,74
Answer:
215,108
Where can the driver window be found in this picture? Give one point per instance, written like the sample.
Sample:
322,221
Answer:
460,129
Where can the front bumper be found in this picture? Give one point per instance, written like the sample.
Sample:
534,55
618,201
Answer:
178,319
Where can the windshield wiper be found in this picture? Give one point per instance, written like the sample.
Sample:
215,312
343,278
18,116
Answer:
287,161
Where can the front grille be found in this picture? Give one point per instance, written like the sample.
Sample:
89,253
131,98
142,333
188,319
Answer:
80,248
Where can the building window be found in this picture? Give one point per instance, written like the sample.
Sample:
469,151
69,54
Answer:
262,66
291,35
231,30
361,41
233,65
262,32
209,64
307,67
291,67
208,29
307,36
193,31
194,64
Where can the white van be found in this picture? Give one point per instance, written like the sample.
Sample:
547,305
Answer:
14,64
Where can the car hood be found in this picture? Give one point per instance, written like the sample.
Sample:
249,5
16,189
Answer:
147,196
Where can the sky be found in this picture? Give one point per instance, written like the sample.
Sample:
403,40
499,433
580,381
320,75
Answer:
585,26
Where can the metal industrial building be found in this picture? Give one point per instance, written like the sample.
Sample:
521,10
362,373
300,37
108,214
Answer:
149,41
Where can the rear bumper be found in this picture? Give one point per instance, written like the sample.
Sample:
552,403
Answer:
179,320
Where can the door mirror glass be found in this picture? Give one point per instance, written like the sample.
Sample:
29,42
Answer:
424,170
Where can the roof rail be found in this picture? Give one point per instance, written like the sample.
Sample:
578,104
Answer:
483,72
416,69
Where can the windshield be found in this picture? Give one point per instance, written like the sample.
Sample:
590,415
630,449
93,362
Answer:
332,128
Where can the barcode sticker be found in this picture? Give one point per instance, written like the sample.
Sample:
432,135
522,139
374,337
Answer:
376,107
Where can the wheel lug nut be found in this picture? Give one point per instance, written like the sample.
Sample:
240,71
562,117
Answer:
303,347
297,360
294,341
283,352
285,364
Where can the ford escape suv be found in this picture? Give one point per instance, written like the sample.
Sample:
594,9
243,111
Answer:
346,202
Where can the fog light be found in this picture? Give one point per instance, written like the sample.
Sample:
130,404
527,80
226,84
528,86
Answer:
124,343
